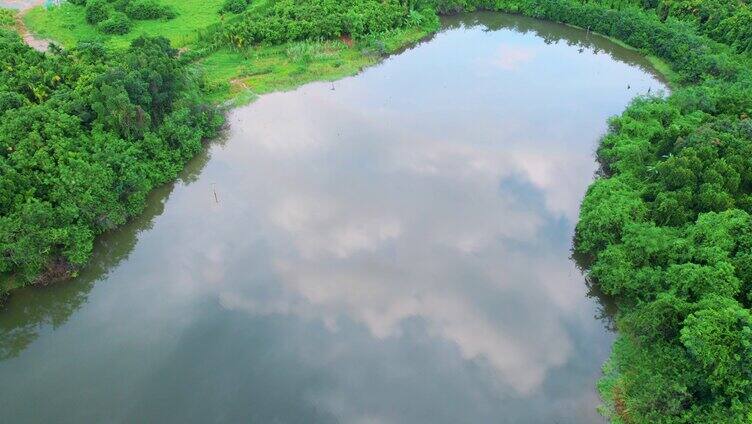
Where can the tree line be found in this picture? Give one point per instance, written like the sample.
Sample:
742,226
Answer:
303,20
85,134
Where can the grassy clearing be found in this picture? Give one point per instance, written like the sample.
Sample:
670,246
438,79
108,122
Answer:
232,75
664,69
67,25
275,68
241,75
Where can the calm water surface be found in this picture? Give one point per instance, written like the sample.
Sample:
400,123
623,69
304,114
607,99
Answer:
390,248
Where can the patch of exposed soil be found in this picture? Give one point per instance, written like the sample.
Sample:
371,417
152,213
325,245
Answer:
23,6
57,270
37,43
347,40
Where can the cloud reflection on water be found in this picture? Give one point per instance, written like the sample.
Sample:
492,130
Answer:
387,202
394,250
377,220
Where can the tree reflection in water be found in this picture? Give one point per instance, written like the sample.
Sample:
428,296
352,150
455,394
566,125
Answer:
27,311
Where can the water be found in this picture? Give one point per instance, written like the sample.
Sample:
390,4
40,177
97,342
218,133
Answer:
393,247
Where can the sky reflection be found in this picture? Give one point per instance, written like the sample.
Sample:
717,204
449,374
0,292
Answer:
394,249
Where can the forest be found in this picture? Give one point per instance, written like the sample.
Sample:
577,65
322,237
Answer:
85,135
666,226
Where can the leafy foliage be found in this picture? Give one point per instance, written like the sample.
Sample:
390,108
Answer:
144,10
84,136
114,16
235,6
118,23
97,11
7,18
300,20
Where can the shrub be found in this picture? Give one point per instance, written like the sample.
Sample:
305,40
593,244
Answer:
373,46
97,11
116,123
235,6
117,24
120,5
144,10
7,18
10,100
301,20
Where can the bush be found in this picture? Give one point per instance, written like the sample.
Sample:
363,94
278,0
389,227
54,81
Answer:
86,146
117,24
235,6
373,46
120,5
97,11
10,100
7,18
144,10
301,20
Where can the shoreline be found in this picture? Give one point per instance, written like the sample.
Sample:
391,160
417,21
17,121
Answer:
247,95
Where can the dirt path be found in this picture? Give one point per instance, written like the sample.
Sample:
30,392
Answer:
23,6
37,43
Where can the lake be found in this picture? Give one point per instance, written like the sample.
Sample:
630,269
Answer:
394,247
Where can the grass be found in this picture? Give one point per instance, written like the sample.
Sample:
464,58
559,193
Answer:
242,75
238,76
7,18
277,68
664,69
67,25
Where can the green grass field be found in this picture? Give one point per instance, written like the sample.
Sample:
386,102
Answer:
67,25
263,69
231,75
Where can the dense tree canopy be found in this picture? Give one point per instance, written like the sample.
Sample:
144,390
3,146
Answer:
297,20
84,136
